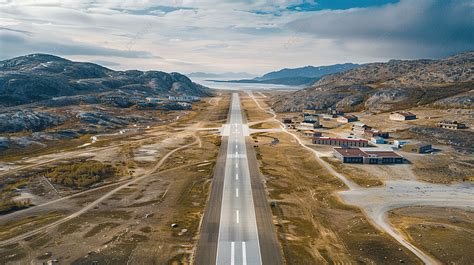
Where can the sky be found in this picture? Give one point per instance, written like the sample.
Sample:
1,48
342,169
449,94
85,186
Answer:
239,36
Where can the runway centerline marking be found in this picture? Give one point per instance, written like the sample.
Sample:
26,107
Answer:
232,253
244,254
230,227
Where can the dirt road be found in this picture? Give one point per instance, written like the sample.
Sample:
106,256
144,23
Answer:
376,202
97,201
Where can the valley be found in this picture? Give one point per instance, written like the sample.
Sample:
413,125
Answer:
237,132
166,180
378,190
358,168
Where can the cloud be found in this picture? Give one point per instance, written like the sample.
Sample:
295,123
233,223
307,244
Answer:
408,28
153,10
217,46
15,30
14,44
308,6
235,35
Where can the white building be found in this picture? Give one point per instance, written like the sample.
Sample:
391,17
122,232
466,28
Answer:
377,140
184,98
152,100
305,126
402,116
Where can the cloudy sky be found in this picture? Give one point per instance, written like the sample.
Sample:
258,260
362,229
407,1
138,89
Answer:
219,36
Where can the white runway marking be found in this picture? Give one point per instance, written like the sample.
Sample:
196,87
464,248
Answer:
244,254
232,253
237,199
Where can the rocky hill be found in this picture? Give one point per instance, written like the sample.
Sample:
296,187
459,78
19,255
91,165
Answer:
396,84
38,77
306,75
308,71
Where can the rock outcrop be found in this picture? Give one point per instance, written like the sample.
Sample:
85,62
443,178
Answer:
396,84
28,120
38,77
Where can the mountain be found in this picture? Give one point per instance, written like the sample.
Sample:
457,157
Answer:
301,76
289,81
222,75
308,71
396,84
38,77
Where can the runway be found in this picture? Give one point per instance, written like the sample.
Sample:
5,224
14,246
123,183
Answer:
229,233
238,235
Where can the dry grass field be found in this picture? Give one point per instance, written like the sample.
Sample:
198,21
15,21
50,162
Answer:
314,225
432,229
446,233
133,225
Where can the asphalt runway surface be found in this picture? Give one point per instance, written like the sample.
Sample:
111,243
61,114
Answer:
229,233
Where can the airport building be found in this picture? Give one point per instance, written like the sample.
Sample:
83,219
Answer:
417,148
305,126
340,141
347,118
453,125
360,128
359,156
402,116
375,133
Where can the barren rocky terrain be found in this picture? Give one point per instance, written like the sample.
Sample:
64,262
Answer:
424,186
114,200
49,101
37,77
397,84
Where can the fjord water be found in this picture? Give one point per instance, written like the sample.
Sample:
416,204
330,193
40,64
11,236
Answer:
242,86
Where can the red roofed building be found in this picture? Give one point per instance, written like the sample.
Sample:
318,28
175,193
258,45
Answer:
358,156
340,141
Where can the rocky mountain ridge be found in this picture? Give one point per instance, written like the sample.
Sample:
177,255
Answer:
396,84
308,71
221,75
305,75
45,99
38,77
